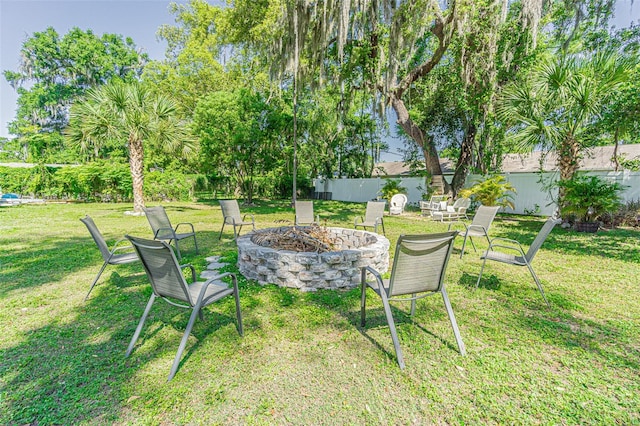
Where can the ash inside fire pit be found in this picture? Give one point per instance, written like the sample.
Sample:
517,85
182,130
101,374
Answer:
310,258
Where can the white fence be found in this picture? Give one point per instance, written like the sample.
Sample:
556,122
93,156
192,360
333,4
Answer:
530,198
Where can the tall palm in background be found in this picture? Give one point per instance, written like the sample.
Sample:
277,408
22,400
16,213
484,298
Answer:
131,114
559,106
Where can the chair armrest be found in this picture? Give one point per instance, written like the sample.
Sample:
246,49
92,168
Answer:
514,245
248,214
193,271
117,246
355,220
185,223
455,222
164,229
482,228
203,290
375,274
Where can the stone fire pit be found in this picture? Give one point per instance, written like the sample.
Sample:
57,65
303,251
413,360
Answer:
310,271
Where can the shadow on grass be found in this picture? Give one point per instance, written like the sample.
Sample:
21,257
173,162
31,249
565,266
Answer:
619,244
75,371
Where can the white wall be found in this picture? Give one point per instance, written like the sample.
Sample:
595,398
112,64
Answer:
531,197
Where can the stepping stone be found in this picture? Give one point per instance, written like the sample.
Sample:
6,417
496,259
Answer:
216,265
213,258
207,275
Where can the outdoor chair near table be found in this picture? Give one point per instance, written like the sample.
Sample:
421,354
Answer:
231,216
163,230
168,283
374,216
454,212
435,203
397,204
304,214
479,226
516,255
419,267
119,254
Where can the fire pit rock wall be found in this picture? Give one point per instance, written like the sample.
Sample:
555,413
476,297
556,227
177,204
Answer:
312,271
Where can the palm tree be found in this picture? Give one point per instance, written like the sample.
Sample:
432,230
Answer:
131,114
558,105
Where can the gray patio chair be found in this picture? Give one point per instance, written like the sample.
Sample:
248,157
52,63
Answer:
516,255
304,213
419,267
373,216
110,256
479,226
168,283
162,229
231,215
456,211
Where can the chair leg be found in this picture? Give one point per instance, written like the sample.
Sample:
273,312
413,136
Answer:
484,261
413,305
454,324
195,242
535,278
183,342
472,244
236,295
140,324
392,328
464,243
221,229
363,298
104,265
175,242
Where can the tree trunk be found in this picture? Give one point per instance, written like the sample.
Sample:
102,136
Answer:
136,157
568,163
464,160
427,143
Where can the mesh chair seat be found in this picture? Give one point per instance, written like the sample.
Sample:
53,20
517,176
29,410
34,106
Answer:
499,256
418,271
374,217
231,216
508,247
168,283
163,230
110,256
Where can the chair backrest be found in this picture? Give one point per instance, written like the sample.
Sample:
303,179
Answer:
420,262
459,206
230,211
375,209
542,235
399,200
162,268
97,237
484,216
158,219
304,211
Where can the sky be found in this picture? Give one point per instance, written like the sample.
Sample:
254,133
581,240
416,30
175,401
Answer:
138,19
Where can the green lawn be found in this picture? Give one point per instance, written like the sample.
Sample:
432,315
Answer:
303,359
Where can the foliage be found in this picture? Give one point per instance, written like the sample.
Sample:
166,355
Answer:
54,71
241,136
589,197
492,191
558,105
627,215
191,68
631,164
392,187
130,115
